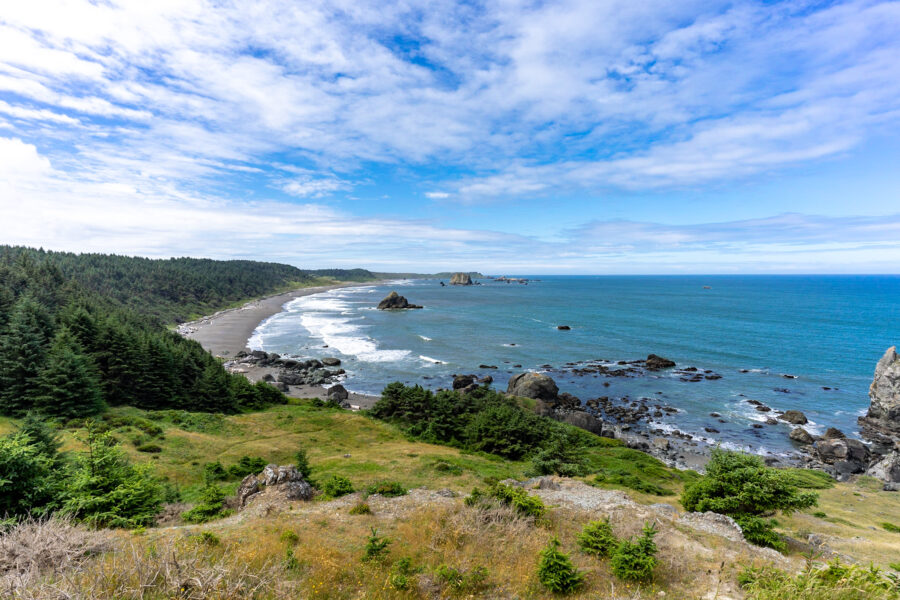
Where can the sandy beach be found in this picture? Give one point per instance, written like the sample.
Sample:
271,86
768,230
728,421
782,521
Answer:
226,332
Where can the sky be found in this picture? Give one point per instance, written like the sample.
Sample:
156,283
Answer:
529,137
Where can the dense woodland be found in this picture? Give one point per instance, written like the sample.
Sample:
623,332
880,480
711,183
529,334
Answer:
175,289
72,343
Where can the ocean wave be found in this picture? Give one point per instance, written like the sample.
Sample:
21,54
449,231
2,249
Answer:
425,337
433,361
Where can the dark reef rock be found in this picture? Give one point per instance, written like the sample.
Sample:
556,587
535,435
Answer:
395,301
563,327
794,417
655,363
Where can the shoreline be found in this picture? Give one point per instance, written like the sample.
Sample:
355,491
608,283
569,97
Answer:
226,333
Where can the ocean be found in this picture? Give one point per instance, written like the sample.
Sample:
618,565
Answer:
808,343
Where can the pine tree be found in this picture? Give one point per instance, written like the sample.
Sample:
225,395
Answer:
68,386
40,435
22,354
213,393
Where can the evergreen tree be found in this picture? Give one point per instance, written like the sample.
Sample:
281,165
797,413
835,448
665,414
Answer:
22,354
68,385
27,482
41,435
213,392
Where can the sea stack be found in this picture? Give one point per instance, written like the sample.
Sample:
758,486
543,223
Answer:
883,417
395,301
460,279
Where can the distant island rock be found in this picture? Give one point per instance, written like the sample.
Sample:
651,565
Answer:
395,301
461,279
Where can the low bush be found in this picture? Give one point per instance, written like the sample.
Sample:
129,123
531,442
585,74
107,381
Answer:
337,486
207,538
635,560
834,581
211,506
514,497
760,531
390,489
289,537
247,465
361,508
301,461
150,448
460,581
597,538
214,472
631,481
442,466
890,527
556,571
401,573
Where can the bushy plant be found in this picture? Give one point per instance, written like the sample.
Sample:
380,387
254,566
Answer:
361,508
635,560
834,581
301,461
597,538
761,532
561,455
207,538
211,506
462,581
28,480
390,489
336,486
289,537
214,471
631,481
150,448
247,465
743,487
376,547
556,571
519,499
890,527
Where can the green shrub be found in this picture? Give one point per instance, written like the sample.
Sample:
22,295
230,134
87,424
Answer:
290,560
289,537
301,461
462,581
890,527
597,538
820,514
150,448
29,480
834,581
207,538
401,572
214,472
361,508
442,466
631,481
390,489
560,455
211,506
635,560
336,486
556,571
743,487
376,547
519,499
247,466
760,531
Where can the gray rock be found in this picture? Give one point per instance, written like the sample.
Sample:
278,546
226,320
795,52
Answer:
268,378
460,279
834,434
582,420
801,436
533,385
337,392
395,301
249,486
331,361
884,396
848,456
661,443
887,469
794,417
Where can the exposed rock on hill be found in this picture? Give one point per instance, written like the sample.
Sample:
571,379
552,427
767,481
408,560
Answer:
395,301
285,480
460,279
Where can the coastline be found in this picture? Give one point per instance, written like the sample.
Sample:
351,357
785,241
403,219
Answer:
225,333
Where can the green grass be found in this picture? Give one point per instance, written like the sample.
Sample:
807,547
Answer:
810,479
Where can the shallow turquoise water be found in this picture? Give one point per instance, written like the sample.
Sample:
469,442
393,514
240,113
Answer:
828,331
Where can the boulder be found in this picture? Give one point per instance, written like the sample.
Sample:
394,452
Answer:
460,279
582,420
887,469
268,378
462,381
847,455
563,327
654,362
331,361
794,417
533,385
395,301
883,415
834,434
249,486
801,436
286,479
337,392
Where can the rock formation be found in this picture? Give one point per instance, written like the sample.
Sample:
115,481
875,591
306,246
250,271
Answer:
655,362
882,421
794,417
274,479
395,301
338,393
533,385
460,279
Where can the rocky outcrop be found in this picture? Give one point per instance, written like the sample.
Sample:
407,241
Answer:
395,301
464,382
655,363
794,417
285,480
801,436
888,470
844,456
533,385
882,421
338,393
460,279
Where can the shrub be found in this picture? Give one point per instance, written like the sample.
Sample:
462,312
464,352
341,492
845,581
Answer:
442,466
361,508
247,466
290,560
462,581
890,527
376,547
336,486
760,531
819,514
597,538
207,538
561,455
150,448
214,472
301,461
635,560
742,486
211,506
390,489
519,499
289,537
556,571
832,582
27,477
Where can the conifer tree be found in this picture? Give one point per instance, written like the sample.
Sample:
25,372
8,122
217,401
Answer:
68,385
41,436
22,354
212,393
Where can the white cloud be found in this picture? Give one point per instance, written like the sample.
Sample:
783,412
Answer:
437,195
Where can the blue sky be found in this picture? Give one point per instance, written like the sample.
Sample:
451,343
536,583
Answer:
503,136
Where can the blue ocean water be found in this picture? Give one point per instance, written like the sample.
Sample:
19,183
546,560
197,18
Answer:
826,331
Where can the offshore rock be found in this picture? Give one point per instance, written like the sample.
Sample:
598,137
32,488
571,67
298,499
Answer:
395,301
794,417
533,385
460,279
654,362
